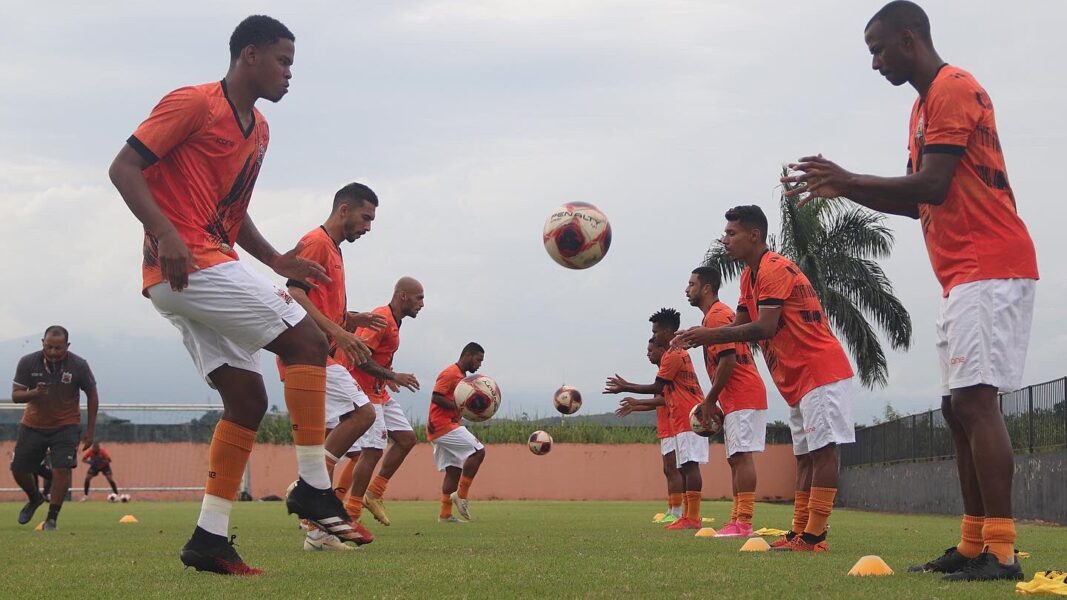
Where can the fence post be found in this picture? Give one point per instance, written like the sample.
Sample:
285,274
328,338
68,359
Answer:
914,439
1030,417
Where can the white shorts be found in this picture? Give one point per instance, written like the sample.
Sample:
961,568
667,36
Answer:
453,448
376,436
823,417
983,330
226,315
745,430
343,394
394,417
666,445
690,448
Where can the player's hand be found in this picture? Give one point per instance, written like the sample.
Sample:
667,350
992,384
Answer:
406,380
293,266
693,337
392,387
87,439
41,390
819,178
615,385
174,260
706,409
370,320
354,347
623,411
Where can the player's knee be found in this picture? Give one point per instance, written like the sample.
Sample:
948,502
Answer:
478,455
405,440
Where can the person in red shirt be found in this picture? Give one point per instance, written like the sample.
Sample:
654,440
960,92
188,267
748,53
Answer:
737,388
187,174
779,309
455,449
676,381
982,254
99,461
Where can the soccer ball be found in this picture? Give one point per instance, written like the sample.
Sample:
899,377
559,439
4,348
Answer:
112,497
577,235
478,397
540,442
124,498
714,423
567,400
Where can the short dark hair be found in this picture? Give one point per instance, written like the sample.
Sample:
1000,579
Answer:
709,276
260,31
355,194
901,15
667,316
57,330
750,217
472,348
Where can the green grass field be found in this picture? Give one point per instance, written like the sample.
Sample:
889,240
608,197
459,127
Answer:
513,549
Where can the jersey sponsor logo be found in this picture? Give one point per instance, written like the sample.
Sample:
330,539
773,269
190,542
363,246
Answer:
67,377
957,360
284,295
212,474
225,142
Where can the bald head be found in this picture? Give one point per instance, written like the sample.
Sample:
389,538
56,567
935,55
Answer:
408,297
407,285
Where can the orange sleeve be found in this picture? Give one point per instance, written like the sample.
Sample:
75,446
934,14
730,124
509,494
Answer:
719,319
315,250
371,337
953,108
669,366
775,284
177,116
446,383
746,292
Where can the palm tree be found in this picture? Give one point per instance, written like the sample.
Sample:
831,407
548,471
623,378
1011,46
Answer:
837,245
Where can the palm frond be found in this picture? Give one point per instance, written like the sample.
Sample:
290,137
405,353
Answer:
847,320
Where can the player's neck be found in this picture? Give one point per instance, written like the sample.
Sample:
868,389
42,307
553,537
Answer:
707,303
240,93
335,230
925,73
398,314
753,259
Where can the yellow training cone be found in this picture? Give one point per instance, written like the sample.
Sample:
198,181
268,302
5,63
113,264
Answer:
705,532
658,516
870,565
128,519
40,526
756,544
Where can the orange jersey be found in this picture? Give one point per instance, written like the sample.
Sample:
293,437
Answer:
202,167
745,388
97,460
681,389
976,234
443,420
803,354
383,344
663,423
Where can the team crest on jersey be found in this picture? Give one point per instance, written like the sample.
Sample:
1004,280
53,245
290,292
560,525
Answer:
919,128
67,377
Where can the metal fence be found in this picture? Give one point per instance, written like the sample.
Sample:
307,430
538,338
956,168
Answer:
1036,417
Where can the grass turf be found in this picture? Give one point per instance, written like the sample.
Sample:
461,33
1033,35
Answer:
513,549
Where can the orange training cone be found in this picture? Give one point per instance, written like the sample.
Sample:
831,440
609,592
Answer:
705,532
756,544
128,519
40,526
870,565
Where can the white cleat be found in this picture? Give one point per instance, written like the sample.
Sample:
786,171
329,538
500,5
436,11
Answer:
325,543
462,505
451,519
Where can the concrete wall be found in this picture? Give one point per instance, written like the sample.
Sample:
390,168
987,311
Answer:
1039,487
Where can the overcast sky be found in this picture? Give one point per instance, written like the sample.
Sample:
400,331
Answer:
473,120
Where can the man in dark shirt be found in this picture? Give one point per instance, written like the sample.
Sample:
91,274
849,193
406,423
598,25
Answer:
50,383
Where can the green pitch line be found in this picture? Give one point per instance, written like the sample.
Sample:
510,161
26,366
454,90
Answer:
512,550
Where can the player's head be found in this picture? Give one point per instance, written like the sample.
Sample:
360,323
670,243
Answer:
263,49
654,351
665,323
470,359
96,446
354,207
55,342
897,35
704,284
408,297
746,231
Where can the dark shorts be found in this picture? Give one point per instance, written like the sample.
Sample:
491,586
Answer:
93,471
33,444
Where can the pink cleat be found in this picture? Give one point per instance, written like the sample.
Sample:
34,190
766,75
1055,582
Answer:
735,529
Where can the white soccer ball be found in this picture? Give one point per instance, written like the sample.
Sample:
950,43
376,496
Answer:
714,423
577,235
112,497
567,400
478,397
124,497
540,442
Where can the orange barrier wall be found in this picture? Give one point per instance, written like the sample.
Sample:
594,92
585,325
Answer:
510,472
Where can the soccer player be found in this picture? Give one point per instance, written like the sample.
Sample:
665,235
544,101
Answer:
187,174
349,413
677,382
99,461
49,382
376,376
738,389
778,308
983,257
675,483
455,449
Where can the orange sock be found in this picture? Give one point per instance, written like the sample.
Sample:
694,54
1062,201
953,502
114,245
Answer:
971,540
227,456
800,511
692,506
464,486
675,500
377,486
999,536
745,505
354,506
733,511
820,504
446,506
305,397
342,481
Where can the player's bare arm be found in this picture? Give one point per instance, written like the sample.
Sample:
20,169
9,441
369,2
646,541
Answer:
443,402
92,403
127,175
370,320
822,178
618,385
289,265
406,380
761,329
723,371
347,342
21,394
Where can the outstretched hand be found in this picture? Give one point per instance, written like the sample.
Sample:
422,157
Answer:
817,177
693,337
293,266
615,385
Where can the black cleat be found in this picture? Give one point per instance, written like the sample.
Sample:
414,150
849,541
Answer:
31,507
49,525
323,509
949,562
209,552
986,567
